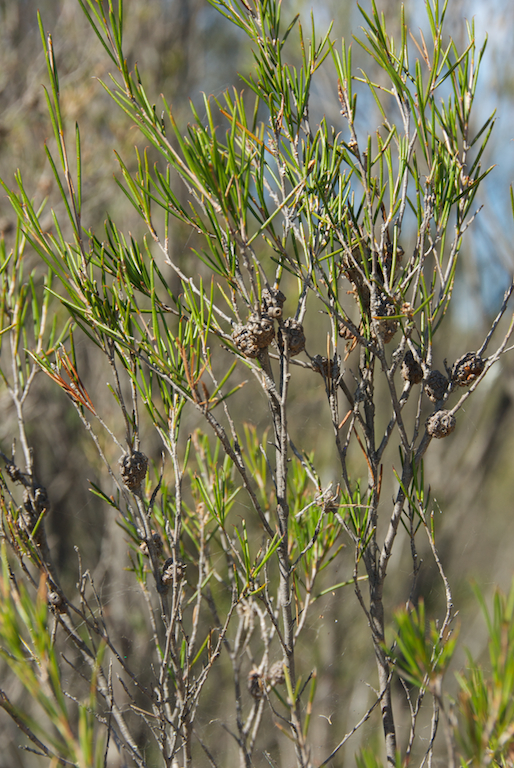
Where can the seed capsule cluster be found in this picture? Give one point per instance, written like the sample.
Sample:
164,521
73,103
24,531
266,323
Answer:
259,331
276,674
436,385
133,468
273,302
257,334
328,368
56,601
258,682
383,309
440,424
296,336
168,569
411,369
464,372
467,368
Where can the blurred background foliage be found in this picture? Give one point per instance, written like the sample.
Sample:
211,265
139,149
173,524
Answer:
183,47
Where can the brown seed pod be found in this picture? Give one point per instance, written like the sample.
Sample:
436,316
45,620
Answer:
436,385
329,369
383,309
257,334
411,369
256,686
276,674
274,312
167,571
467,368
440,424
272,302
262,328
245,341
133,468
56,601
296,336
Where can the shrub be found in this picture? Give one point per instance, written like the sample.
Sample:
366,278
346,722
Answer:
320,260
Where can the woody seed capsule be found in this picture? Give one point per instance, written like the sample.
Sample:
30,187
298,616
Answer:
440,424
